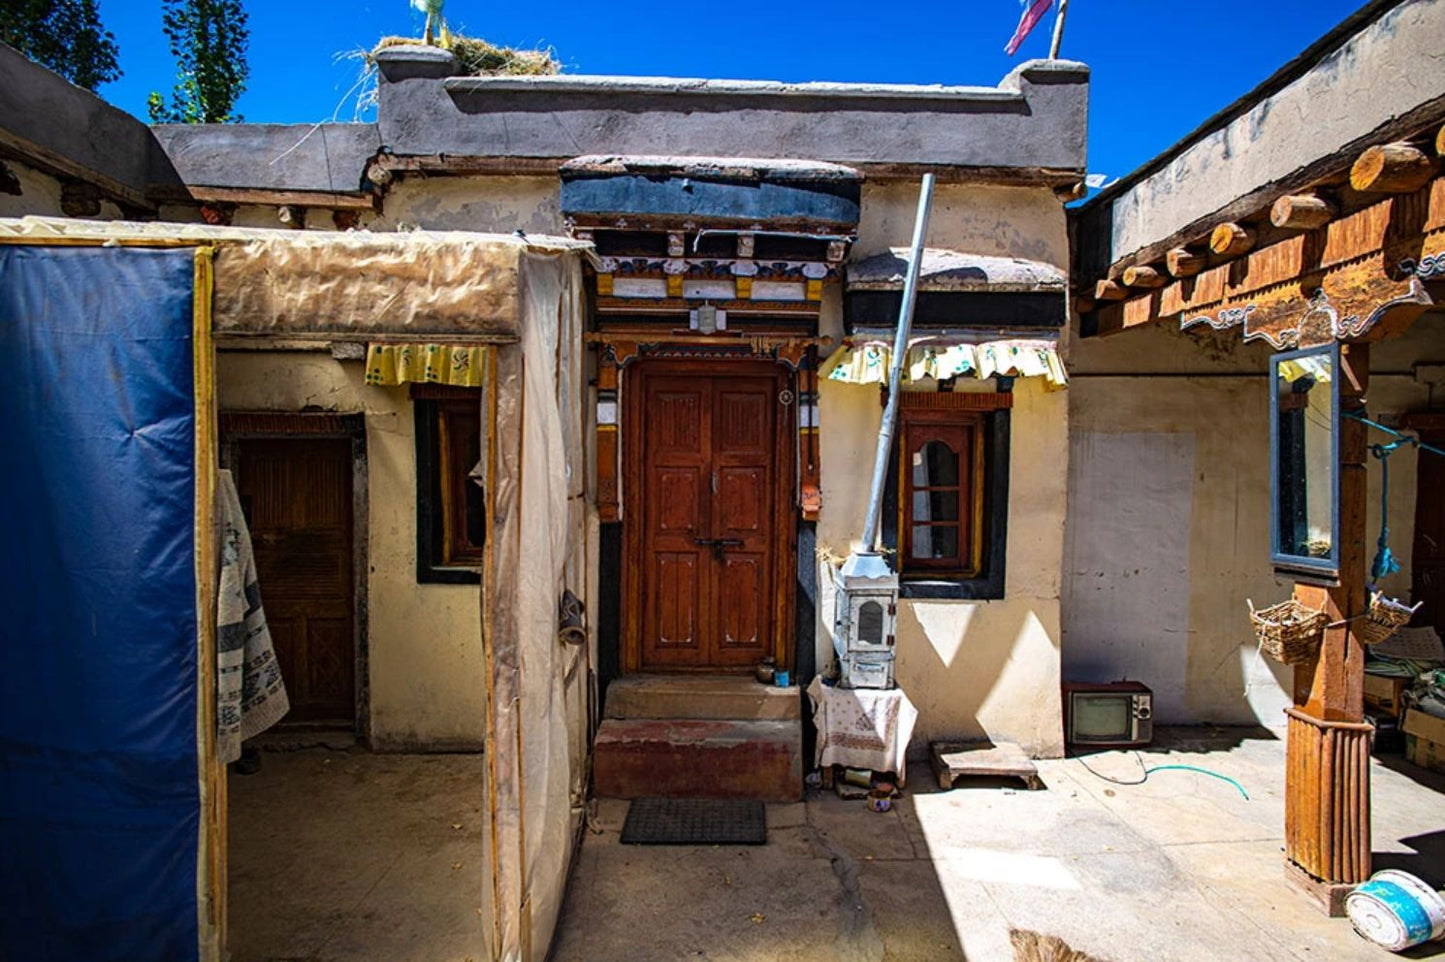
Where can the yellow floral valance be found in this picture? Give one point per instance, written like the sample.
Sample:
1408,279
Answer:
867,362
457,365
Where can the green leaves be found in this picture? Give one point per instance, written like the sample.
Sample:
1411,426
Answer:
64,35
208,38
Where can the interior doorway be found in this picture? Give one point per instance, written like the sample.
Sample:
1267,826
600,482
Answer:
300,478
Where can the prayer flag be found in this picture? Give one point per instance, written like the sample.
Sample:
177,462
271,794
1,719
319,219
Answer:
1034,11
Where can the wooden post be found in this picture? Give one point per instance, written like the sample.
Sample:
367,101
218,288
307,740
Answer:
1058,30
1327,769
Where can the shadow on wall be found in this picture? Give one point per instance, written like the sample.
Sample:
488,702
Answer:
981,671
1166,537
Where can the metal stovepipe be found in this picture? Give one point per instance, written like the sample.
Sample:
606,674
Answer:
895,369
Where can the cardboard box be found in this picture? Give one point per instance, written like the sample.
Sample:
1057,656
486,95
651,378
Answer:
1425,740
1382,693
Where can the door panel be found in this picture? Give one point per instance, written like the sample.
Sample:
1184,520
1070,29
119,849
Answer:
676,483
709,507
297,496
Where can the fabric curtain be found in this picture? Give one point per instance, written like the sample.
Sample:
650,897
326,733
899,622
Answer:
867,362
457,365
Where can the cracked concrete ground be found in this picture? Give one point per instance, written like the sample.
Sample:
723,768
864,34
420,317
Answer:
1180,867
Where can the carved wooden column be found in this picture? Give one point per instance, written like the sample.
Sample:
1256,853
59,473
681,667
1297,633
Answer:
1327,776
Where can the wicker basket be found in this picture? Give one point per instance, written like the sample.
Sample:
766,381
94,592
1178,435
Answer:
1384,618
1289,632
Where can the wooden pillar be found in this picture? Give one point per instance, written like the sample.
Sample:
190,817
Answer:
607,420
1327,777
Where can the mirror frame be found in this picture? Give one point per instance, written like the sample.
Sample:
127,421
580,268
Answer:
1301,563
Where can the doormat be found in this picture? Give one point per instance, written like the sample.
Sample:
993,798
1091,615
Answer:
695,821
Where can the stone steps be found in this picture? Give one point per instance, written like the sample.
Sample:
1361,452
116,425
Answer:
688,736
736,697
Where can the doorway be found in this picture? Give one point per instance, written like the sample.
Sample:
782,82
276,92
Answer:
298,480
1427,558
707,515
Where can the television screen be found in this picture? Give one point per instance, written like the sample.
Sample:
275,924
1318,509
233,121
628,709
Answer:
1099,717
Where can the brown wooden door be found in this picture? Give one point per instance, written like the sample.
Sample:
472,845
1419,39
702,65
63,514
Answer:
709,518
1427,559
297,497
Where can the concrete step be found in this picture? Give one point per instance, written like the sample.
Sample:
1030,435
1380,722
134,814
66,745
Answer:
715,697
698,758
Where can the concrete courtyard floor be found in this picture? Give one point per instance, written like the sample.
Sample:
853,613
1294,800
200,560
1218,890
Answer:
345,855
1180,867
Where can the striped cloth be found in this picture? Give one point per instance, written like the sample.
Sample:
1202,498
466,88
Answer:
250,693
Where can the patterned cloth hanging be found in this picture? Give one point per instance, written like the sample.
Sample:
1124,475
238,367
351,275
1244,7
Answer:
457,365
867,362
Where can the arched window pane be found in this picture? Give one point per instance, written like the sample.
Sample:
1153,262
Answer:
870,623
935,465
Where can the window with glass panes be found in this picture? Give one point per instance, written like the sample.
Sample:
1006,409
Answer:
941,492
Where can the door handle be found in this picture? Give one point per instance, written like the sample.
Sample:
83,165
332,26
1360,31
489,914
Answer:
718,545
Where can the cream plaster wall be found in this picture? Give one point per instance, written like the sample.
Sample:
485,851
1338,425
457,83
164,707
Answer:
426,669
972,668
1171,615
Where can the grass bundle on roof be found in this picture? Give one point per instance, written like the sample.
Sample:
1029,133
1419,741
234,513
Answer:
479,58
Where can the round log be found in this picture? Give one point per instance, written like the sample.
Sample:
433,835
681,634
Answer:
1183,262
1107,290
1231,240
1301,212
1144,277
1392,169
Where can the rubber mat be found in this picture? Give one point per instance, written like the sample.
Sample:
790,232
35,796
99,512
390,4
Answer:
695,821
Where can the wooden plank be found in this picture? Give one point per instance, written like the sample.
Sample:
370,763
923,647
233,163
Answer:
56,165
333,200
952,760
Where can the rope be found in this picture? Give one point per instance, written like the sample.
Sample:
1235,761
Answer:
1384,563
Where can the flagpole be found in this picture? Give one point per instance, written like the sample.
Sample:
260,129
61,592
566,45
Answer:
1058,30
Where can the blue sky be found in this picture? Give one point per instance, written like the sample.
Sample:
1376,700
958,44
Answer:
1159,68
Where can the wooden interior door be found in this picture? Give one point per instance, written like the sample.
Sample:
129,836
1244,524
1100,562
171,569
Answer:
1427,559
709,518
296,494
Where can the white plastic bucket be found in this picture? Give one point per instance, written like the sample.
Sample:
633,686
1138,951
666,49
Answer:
1396,910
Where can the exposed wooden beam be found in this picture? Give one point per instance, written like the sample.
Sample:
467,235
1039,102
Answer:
1107,290
1392,169
331,200
1353,260
1231,240
1146,277
1183,262
1302,212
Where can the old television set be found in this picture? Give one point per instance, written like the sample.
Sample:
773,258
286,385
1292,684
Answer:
1118,714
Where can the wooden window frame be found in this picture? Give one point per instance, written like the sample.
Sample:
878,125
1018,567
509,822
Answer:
982,579
442,555
963,432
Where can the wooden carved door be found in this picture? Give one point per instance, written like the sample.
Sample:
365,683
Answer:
709,518
296,494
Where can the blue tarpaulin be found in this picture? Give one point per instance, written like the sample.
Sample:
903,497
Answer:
99,795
